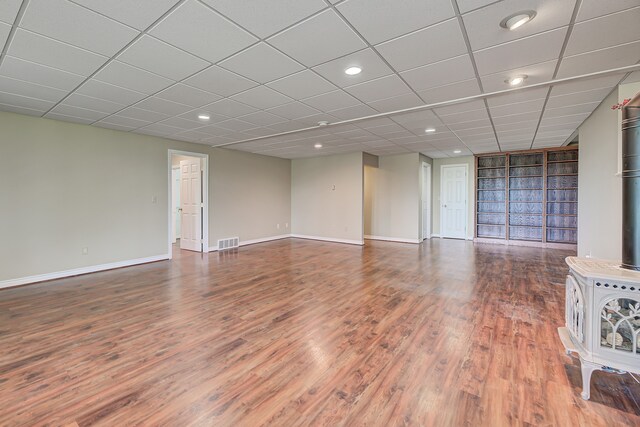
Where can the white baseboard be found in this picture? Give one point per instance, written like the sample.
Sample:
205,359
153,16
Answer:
78,271
437,236
393,239
466,238
254,241
328,239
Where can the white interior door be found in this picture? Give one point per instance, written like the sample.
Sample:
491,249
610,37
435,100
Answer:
426,201
191,204
453,199
175,203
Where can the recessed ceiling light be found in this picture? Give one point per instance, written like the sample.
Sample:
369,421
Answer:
457,151
430,130
204,117
516,80
517,20
352,71
318,145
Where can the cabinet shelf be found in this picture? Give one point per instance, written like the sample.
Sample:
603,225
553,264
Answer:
538,190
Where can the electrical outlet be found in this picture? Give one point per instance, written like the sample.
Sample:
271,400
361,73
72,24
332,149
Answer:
278,226
154,199
286,225
85,251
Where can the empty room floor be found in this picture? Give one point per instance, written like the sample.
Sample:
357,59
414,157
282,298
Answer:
297,332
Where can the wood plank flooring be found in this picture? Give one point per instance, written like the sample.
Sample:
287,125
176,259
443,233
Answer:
303,333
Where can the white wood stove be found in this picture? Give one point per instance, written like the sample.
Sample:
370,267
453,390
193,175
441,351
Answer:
602,317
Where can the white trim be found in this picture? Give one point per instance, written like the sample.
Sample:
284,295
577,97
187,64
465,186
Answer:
393,239
466,196
78,271
428,234
205,197
436,236
254,241
328,239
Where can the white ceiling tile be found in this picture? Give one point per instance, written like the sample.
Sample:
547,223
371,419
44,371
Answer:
266,18
572,109
46,51
480,133
429,45
575,119
159,129
294,110
604,59
25,102
633,78
520,53
76,25
220,81
193,26
19,87
302,85
467,5
465,116
262,97
67,118
536,73
597,33
129,77
382,88
595,95
181,123
440,73
113,126
188,95
399,102
473,124
143,115
5,29
353,112
515,118
461,107
370,63
9,10
312,120
586,84
163,106
229,108
38,74
212,130
128,122
138,14
534,106
22,110
518,96
95,104
332,101
160,58
262,118
483,25
98,89
380,20
235,125
528,125
318,39
594,8
261,63
451,91
82,113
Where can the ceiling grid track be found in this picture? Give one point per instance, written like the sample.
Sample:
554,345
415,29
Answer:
14,27
574,15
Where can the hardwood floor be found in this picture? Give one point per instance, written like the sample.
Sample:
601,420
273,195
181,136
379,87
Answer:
297,333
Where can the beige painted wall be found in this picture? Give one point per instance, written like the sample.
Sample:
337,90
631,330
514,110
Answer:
327,197
392,198
471,198
599,184
66,186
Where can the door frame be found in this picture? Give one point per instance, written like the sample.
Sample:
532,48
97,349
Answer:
173,223
425,168
466,198
205,197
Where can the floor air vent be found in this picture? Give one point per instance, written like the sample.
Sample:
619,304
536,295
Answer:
224,244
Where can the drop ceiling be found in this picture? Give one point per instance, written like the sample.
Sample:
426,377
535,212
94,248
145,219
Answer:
259,68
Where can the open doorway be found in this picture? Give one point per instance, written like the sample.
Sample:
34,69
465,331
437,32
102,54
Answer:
425,199
188,201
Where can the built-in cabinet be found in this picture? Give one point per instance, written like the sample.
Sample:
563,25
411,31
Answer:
528,197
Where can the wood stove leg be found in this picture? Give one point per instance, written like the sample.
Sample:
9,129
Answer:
587,370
